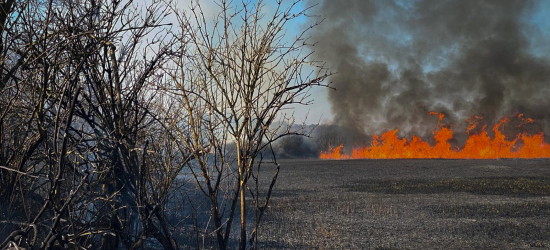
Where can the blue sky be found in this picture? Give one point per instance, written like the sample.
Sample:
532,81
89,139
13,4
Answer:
319,111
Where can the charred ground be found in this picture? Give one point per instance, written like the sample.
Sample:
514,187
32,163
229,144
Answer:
410,204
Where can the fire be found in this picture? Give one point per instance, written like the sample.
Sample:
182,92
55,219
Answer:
478,145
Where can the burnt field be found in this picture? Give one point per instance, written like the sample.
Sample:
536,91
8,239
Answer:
409,204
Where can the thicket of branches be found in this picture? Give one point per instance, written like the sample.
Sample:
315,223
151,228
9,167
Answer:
120,129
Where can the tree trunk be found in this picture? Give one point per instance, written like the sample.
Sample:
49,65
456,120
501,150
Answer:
242,241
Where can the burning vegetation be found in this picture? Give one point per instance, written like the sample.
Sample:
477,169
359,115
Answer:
479,144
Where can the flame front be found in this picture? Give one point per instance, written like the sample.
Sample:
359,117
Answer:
477,146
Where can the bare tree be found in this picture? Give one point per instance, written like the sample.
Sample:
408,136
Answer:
114,129
75,123
235,77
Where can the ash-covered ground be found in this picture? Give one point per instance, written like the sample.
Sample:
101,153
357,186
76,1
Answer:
409,204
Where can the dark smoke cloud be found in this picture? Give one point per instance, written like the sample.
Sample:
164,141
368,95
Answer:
398,60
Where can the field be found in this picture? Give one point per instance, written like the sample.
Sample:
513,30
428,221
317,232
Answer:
409,204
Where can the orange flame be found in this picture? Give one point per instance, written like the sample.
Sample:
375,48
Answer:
478,145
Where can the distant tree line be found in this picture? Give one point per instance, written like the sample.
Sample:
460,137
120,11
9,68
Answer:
319,138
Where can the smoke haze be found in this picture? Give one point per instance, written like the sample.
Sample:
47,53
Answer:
398,60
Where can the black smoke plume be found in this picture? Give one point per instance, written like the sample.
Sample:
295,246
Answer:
398,60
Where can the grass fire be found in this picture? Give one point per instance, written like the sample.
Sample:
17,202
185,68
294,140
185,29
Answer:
479,144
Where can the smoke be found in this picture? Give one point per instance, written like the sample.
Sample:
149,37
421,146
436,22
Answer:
398,60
